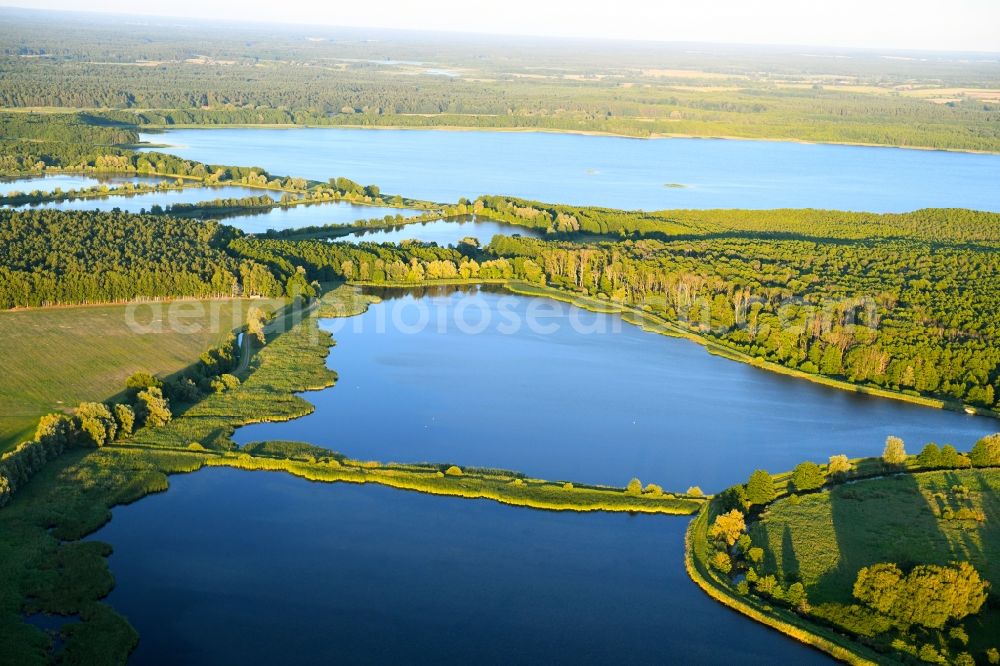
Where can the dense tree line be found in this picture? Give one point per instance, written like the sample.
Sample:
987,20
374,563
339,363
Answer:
53,257
262,201
15,198
563,220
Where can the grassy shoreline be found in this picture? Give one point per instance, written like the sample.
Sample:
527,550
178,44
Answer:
780,619
502,486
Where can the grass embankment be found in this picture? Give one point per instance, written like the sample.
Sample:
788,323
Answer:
502,486
44,568
823,539
654,324
55,358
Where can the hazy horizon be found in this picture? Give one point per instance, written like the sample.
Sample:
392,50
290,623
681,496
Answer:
850,24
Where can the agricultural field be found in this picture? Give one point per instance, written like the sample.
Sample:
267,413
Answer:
57,357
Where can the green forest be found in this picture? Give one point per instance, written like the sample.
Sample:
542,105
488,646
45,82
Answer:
161,75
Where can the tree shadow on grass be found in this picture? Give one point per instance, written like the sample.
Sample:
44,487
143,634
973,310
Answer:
879,520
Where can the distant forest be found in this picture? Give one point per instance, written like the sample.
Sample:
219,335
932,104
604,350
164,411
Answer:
162,75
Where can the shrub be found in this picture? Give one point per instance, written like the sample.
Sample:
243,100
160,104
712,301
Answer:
125,417
153,409
97,423
454,470
760,487
894,452
653,489
634,487
952,459
796,595
695,491
986,452
722,562
56,429
734,499
929,595
142,380
839,466
230,381
728,527
183,390
930,456
767,585
807,476
929,654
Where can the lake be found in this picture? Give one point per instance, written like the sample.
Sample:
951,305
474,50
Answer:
65,181
334,212
442,232
135,203
309,215
608,171
482,377
235,567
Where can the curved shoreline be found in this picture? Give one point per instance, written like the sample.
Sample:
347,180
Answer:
653,324
781,620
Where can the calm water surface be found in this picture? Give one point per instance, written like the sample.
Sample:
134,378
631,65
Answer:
294,217
442,232
592,399
64,181
139,202
608,171
233,567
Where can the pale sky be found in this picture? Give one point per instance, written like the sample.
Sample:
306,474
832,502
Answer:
967,25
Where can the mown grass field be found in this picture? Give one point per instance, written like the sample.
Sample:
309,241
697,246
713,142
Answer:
823,539
54,358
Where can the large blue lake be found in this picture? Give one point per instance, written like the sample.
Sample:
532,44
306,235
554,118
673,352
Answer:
609,171
486,378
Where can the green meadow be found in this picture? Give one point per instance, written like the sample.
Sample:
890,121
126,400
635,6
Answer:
55,358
